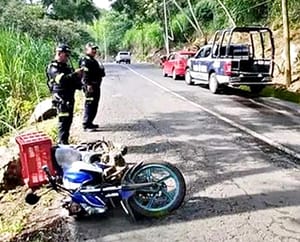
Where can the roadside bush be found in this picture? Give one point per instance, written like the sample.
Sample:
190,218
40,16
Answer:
27,40
153,36
204,11
276,12
143,38
181,28
22,76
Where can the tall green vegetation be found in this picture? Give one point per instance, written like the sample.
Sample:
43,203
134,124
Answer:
109,31
143,38
22,78
33,20
294,12
134,21
28,34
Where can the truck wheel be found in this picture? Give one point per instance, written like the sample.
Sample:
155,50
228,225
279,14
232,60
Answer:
188,78
213,83
256,89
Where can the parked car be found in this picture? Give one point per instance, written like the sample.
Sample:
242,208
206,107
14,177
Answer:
175,64
237,56
123,56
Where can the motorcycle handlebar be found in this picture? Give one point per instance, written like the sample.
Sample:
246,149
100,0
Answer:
50,177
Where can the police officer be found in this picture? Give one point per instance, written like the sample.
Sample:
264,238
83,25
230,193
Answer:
63,82
92,78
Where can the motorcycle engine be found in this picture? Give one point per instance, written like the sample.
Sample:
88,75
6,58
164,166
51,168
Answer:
74,208
92,210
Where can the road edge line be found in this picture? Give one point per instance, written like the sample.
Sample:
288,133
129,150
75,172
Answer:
226,120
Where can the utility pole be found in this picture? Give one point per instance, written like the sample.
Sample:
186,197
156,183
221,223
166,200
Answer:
166,29
286,36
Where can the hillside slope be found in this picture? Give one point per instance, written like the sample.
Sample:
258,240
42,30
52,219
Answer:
295,59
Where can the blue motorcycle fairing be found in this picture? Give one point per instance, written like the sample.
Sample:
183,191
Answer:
126,194
93,200
77,176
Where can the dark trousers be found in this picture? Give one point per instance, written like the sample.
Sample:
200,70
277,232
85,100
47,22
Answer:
91,106
65,118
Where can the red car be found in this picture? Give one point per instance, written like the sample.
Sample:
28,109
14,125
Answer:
175,64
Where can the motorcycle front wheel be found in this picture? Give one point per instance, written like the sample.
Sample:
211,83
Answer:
162,198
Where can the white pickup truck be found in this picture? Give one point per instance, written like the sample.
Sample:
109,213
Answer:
234,61
123,56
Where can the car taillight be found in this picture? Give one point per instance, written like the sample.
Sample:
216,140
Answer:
227,68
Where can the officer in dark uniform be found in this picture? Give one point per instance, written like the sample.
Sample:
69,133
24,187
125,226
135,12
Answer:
92,78
63,82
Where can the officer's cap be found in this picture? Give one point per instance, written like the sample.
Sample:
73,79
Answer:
91,45
63,48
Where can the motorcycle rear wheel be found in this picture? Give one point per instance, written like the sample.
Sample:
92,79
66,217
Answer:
162,198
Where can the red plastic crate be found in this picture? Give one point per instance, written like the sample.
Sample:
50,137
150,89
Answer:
35,152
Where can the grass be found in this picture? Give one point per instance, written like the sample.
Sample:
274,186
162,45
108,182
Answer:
22,80
281,93
22,76
277,92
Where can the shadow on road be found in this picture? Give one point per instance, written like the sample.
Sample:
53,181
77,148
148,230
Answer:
211,153
262,120
195,208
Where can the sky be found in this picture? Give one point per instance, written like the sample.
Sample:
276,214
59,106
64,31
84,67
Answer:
102,3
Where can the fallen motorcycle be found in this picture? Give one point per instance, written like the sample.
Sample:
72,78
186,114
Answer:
102,176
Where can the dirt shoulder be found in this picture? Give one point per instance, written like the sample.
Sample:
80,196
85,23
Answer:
44,221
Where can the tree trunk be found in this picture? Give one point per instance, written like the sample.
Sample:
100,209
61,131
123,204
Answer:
286,35
194,17
187,17
166,29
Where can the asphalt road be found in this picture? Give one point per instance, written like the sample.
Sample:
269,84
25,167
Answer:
238,154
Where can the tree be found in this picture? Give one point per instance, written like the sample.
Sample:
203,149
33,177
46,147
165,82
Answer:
287,72
75,10
227,13
110,30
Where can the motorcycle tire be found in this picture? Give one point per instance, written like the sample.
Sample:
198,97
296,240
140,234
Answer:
157,201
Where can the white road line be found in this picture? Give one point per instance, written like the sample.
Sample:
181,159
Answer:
226,120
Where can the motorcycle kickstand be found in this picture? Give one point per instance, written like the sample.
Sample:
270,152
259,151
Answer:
126,207
112,202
